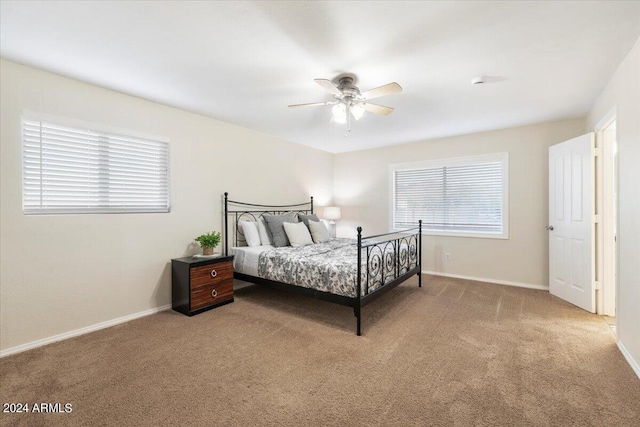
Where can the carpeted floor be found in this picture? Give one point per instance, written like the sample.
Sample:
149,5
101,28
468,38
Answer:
454,353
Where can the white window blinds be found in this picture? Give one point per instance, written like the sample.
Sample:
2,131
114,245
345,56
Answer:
453,197
76,170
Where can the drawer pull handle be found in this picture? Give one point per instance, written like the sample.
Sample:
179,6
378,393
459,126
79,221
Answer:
214,273
214,293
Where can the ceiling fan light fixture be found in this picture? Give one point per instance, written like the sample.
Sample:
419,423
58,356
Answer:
357,111
339,113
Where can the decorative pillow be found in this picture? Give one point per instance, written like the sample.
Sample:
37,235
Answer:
265,237
274,224
250,231
306,218
319,231
298,234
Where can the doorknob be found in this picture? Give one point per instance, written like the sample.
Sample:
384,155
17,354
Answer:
549,227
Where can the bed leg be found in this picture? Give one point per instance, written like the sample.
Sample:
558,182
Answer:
420,253
357,309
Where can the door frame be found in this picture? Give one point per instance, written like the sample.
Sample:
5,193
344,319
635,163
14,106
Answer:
606,249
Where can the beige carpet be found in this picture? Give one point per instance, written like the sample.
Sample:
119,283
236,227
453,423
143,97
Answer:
454,353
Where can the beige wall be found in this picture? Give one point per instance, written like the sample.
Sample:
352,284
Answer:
623,93
64,272
361,188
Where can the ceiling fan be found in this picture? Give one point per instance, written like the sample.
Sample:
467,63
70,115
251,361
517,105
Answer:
350,102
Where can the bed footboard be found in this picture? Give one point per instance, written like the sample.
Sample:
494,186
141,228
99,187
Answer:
387,261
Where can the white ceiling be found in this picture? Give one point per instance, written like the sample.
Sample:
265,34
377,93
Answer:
244,62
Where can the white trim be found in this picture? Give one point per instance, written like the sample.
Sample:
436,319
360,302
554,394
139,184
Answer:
76,332
495,281
460,234
606,120
607,190
634,365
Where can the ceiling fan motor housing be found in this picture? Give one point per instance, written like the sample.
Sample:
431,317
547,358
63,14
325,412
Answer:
349,91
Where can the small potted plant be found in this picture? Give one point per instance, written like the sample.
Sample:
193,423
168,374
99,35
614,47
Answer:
208,242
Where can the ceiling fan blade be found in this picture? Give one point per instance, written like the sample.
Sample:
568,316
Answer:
329,87
387,89
377,109
313,104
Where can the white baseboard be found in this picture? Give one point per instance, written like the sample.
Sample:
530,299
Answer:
481,279
627,355
91,328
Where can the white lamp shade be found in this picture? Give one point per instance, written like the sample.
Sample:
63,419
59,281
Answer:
339,113
331,213
357,111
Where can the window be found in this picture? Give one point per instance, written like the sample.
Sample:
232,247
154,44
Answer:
455,197
78,169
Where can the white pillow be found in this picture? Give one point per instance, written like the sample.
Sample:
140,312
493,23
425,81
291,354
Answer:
319,231
265,238
250,231
297,233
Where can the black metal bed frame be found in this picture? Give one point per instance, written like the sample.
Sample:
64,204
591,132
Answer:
387,264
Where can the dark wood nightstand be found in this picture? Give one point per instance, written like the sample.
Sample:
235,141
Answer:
200,284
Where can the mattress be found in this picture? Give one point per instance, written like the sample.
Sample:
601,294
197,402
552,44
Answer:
246,258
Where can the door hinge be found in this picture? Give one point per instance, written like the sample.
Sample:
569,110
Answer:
597,151
596,285
596,219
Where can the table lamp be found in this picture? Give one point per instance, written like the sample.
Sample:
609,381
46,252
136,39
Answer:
332,213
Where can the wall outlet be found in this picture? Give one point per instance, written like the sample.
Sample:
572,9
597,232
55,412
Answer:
447,256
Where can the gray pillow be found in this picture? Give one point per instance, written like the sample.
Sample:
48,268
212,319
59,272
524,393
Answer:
319,232
274,224
306,218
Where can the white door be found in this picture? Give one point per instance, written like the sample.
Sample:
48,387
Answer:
571,226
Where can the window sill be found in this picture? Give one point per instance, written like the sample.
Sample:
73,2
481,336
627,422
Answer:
502,236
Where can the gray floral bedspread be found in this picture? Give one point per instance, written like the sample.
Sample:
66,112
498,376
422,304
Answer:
329,267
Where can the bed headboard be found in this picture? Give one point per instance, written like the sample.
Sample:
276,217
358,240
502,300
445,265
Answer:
235,212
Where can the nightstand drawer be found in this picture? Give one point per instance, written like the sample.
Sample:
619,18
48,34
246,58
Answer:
211,274
211,294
